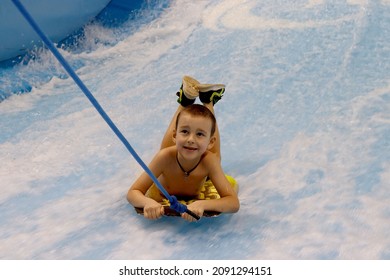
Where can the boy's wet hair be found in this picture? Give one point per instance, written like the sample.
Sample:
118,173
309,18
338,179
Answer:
197,110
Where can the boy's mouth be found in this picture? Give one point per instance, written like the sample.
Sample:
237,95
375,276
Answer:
190,148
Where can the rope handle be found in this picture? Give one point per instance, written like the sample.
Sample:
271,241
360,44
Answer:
195,216
181,208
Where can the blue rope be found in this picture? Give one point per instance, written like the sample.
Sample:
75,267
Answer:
181,208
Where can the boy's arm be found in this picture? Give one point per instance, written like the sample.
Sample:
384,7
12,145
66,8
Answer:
229,200
136,194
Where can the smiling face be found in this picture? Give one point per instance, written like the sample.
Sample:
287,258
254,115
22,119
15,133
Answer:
193,136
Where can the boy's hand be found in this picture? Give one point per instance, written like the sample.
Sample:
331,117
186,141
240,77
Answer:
197,208
153,210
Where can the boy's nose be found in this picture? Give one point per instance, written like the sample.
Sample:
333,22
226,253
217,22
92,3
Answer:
190,138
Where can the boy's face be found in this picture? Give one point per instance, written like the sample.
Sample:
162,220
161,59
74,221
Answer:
193,136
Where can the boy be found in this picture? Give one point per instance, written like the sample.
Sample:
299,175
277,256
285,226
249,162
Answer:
189,155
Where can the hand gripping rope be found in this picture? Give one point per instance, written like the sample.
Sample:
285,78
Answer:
174,204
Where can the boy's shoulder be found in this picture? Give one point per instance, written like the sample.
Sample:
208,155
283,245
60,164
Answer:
167,153
211,159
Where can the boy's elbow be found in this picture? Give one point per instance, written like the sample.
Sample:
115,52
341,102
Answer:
129,196
236,207
232,205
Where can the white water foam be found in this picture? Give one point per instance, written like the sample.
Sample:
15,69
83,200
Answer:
304,123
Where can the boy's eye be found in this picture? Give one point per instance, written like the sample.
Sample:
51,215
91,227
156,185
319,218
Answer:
184,131
200,134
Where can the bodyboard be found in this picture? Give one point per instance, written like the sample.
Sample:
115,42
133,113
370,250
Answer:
207,191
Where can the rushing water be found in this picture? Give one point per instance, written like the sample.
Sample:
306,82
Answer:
305,126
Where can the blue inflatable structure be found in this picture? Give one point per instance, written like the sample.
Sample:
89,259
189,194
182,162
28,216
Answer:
58,19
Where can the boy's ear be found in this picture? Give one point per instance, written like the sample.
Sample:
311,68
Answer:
174,136
212,142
